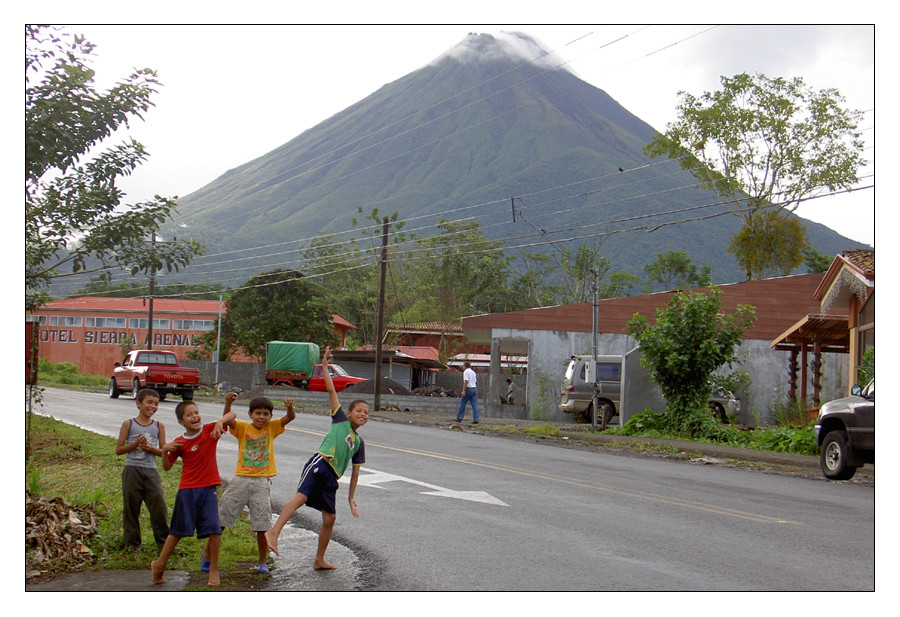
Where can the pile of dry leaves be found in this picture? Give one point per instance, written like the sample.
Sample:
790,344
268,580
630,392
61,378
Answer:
57,530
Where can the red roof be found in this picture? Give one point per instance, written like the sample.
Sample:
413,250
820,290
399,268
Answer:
340,321
779,303
138,305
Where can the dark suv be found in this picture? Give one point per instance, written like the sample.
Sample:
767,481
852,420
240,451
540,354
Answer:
845,433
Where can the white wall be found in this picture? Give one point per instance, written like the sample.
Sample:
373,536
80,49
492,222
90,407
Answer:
550,352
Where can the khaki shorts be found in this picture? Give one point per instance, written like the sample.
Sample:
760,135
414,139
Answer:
250,492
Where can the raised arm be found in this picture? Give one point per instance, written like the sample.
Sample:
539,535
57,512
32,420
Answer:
290,415
329,384
229,399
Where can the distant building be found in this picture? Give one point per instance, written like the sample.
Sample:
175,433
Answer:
93,332
449,339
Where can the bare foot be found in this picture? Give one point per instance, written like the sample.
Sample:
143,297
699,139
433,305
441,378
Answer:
272,542
323,565
157,574
213,581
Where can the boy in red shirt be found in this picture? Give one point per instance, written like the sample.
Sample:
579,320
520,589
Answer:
196,505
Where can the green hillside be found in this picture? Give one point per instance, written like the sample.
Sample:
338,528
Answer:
458,139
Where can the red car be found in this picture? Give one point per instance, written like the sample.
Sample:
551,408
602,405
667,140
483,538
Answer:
339,376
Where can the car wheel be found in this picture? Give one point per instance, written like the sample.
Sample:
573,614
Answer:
187,395
606,411
833,457
135,386
113,390
162,396
606,408
717,411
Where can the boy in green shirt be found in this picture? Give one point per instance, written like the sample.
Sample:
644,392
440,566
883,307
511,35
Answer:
319,480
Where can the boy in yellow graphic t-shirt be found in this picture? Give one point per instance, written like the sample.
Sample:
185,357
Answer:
251,484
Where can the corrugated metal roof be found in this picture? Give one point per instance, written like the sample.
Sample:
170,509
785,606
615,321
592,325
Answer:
779,303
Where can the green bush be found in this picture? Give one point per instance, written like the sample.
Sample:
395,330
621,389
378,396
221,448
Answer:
66,373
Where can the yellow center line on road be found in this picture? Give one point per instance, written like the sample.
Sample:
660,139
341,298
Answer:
597,486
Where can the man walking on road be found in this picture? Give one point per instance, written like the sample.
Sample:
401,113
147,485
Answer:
470,394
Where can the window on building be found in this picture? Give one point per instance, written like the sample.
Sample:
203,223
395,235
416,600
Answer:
192,324
104,322
141,324
64,320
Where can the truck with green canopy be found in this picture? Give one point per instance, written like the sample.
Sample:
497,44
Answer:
290,363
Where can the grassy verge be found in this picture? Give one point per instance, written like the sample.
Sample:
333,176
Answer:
83,468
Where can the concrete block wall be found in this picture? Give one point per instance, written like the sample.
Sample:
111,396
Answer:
441,404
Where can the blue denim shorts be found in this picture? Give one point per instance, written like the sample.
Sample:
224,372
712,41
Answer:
196,509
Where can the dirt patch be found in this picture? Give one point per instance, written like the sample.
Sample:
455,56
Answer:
388,386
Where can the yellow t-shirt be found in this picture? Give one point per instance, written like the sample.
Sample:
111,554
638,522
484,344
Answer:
256,456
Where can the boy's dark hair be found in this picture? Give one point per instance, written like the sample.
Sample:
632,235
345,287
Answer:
144,393
180,407
355,403
261,402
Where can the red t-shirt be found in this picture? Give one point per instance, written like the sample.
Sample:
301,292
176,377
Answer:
199,455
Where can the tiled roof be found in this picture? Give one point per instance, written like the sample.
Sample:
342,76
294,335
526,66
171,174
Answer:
864,259
436,327
340,321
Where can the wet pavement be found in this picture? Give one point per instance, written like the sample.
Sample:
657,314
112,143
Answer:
293,571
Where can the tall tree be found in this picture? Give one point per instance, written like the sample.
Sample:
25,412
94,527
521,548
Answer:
764,145
674,270
579,272
815,260
460,272
345,274
74,215
277,305
769,244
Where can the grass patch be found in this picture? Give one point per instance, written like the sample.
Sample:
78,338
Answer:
83,468
543,430
788,439
67,374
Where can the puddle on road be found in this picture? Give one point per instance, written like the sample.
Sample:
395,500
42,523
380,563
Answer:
294,567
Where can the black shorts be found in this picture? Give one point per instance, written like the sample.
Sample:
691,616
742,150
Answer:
319,484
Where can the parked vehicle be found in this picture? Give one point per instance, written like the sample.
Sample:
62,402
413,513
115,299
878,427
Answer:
845,433
339,377
160,370
576,393
290,363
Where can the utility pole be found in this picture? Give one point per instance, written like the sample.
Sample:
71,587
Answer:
152,286
595,401
379,335
218,342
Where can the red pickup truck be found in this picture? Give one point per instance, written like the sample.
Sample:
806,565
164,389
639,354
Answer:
339,377
144,368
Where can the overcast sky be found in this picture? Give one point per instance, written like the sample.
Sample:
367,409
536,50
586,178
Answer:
233,93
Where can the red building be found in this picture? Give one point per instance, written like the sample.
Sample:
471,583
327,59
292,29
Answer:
93,333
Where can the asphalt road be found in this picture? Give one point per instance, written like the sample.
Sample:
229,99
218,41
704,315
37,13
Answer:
454,510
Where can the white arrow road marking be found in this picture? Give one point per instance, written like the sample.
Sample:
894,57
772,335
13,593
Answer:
372,478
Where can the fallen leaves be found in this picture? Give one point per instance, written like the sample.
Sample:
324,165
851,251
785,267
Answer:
57,530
